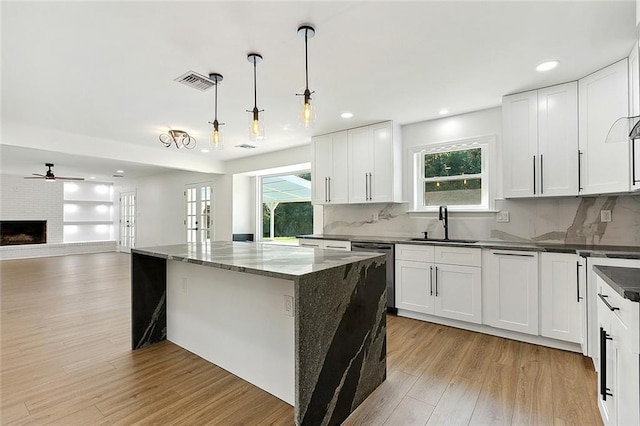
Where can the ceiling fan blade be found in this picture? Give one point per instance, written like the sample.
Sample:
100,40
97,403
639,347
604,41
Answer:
31,177
38,174
68,178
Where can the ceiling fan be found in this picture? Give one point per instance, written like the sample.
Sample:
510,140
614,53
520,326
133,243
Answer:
49,176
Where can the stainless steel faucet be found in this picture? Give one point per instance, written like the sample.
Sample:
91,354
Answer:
443,216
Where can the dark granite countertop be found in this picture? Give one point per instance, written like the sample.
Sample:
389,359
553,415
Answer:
625,281
585,250
278,261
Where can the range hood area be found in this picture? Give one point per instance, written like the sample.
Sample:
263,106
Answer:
627,130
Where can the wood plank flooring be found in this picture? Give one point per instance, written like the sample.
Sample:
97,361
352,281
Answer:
65,359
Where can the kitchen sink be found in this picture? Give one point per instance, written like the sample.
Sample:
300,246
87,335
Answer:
442,240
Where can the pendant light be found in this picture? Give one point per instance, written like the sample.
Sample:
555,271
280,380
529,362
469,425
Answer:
180,138
216,135
307,32
256,129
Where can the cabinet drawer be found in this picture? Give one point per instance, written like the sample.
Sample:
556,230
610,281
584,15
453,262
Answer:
623,313
414,253
310,243
464,256
337,245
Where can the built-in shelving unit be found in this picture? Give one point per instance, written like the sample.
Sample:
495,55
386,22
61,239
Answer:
88,212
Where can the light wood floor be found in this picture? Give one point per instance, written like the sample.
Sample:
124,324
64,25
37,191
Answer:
65,359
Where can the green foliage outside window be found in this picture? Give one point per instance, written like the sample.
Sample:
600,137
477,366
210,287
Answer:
453,163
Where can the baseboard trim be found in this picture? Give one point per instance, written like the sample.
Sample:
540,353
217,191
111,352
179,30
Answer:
28,251
481,328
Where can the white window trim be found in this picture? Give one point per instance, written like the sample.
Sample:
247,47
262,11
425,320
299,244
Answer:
488,146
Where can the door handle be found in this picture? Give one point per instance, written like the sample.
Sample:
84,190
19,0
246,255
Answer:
436,281
534,175
431,280
580,171
578,281
603,298
541,175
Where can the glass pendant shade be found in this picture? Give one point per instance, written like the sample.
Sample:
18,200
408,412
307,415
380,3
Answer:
308,115
216,137
256,128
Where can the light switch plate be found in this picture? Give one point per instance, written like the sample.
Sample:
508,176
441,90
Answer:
288,305
502,217
605,215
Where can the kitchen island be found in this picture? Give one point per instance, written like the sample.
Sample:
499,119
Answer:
306,325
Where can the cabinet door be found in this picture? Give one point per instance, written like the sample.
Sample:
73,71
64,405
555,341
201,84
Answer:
322,159
382,180
627,379
512,291
558,140
414,286
607,374
634,110
457,293
360,154
338,184
560,309
603,98
520,135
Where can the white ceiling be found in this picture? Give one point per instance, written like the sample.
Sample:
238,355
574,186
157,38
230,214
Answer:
97,78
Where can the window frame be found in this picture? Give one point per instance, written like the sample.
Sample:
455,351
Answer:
487,146
258,206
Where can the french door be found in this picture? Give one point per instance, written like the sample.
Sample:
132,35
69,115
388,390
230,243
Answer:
198,218
127,221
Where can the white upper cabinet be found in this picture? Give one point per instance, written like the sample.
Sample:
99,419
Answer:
329,169
603,99
374,164
634,110
540,132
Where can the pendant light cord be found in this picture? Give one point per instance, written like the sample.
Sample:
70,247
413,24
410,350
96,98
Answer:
306,60
255,86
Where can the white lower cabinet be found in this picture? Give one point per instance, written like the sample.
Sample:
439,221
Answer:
510,290
449,287
325,244
562,297
619,363
457,292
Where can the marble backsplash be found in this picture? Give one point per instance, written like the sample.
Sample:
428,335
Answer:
552,220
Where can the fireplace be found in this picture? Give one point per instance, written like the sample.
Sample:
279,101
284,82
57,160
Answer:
16,232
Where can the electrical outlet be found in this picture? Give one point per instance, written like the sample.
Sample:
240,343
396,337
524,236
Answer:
502,217
288,305
185,287
605,215
376,217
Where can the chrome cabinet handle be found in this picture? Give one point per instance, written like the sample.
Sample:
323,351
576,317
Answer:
431,280
514,254
436,281
329,189
534,175
578,281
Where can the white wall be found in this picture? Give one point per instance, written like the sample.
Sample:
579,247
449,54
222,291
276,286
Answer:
160,206
33,199
243,188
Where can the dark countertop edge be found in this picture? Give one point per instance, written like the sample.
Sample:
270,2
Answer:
623,252
244,269
625,281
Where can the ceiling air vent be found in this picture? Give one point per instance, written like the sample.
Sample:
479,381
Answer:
117,176
245,146
195,80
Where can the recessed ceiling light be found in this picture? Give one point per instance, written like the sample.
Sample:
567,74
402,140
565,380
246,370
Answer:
92,177
119,171
204,150
546,66
444,111
346,115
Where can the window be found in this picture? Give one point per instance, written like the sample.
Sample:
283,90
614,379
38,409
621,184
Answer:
286,208
453,174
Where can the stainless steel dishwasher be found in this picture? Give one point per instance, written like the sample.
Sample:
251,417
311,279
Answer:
388,250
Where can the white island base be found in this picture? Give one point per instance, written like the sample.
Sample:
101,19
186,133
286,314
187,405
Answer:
236,321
